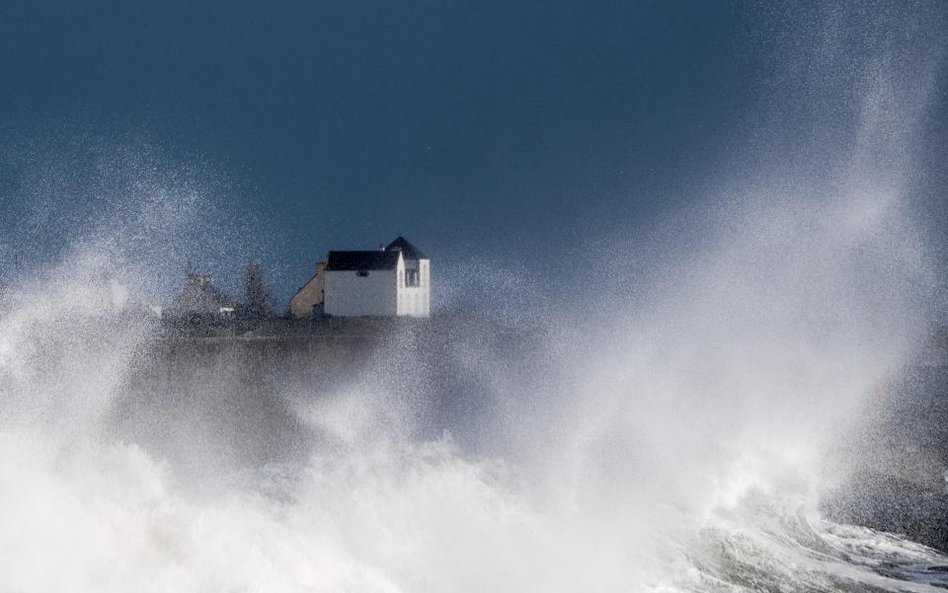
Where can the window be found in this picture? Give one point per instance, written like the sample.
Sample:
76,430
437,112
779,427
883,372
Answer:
362,273
412,278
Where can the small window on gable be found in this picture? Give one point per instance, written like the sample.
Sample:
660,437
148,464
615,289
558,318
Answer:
362,273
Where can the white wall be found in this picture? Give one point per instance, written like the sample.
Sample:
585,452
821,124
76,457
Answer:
351,295
382,292
415,301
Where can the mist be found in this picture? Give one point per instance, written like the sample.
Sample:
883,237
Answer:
661,410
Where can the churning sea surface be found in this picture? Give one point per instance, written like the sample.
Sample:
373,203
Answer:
717,405
661,449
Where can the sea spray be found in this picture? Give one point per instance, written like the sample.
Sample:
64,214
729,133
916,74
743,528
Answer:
670,438
651,451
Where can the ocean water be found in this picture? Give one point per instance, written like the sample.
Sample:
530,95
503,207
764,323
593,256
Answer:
677,441
678,422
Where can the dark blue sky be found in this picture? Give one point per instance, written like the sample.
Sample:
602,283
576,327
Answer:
504,128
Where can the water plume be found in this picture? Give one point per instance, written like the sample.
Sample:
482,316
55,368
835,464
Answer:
673,437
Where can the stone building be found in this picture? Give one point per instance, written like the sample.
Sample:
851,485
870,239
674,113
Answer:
308,300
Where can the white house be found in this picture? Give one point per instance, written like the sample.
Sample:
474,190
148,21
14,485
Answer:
393,281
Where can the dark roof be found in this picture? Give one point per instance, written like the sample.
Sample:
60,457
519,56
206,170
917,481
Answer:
361,260
407,249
